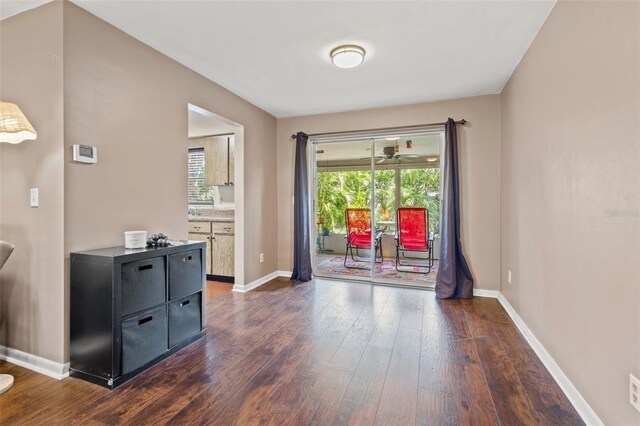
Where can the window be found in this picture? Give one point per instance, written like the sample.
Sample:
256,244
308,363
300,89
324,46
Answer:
199,192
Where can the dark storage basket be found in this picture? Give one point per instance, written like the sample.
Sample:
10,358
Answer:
143,285
185,274
185,317
144,338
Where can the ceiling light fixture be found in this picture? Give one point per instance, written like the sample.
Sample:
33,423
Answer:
347,56
14,126
391,139
432,159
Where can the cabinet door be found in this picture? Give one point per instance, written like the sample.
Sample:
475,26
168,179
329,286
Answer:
222,251
231,161
216,160
207,239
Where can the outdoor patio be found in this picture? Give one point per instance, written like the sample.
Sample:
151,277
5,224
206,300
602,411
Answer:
333,265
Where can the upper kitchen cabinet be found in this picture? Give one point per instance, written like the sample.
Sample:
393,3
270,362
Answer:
219,163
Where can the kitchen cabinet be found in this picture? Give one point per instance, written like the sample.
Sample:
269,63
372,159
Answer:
219,160
219,238
207,239
201,231
222,249
131,308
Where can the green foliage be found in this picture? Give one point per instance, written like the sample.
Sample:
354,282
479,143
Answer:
421,188
339,190
385,195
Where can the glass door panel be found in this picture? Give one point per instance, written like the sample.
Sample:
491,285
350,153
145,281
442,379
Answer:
342,190
407,175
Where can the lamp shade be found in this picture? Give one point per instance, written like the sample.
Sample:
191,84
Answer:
14,126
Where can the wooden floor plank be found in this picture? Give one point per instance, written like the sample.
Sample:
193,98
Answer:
360,402
478,320
322,352
549,403
398,401
509,397
438,364
472,398
435,408
348,355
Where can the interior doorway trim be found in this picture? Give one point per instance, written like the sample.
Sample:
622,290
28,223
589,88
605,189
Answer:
238,189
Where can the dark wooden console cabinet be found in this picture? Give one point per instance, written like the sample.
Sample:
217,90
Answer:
132,308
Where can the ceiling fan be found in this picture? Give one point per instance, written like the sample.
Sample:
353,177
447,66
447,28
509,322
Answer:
393,153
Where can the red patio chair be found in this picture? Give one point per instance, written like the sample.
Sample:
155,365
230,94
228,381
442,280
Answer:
413,236
359,235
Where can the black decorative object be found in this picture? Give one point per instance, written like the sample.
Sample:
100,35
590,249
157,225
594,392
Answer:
158,240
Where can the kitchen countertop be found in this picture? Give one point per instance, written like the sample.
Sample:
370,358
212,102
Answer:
211,219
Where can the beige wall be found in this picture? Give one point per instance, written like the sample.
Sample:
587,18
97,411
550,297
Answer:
571,197
131,102
479,143
32,282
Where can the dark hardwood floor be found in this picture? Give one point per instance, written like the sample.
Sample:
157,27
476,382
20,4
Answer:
324,352
216,289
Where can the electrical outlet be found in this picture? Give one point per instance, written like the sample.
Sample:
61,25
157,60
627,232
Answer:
509,276
634,391
261,257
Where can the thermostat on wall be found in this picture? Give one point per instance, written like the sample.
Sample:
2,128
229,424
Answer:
85,154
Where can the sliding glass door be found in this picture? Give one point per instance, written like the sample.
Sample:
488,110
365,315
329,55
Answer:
342,209
407,207
376,204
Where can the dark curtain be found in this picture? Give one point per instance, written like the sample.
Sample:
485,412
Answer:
454,279
301,237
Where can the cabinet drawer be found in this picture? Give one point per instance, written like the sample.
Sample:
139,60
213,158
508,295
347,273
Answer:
185,318
185,274
199,227
144,338
222,227
143,285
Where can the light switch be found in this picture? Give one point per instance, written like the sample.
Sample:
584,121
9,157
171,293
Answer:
34,197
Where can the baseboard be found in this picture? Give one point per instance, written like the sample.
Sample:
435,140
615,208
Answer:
583,408
262,280
480,292
33,362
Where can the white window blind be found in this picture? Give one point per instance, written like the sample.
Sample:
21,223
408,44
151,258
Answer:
199,192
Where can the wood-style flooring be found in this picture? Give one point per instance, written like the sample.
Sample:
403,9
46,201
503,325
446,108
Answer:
323,352
216,289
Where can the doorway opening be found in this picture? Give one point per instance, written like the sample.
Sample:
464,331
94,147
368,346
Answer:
215,195
376,206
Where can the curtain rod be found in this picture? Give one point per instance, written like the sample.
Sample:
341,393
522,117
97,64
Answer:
382,129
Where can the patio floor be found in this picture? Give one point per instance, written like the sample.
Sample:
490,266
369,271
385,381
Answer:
333,265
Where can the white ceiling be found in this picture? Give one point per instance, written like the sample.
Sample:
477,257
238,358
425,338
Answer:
13,7
275,54
423,145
